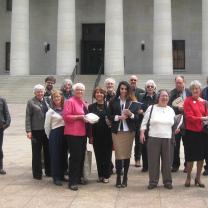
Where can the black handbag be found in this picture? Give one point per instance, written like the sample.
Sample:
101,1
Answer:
148,123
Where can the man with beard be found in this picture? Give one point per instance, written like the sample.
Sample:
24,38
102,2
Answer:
179,91
49,83
136,92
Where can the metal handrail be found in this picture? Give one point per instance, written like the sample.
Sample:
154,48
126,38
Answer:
74,74
97,81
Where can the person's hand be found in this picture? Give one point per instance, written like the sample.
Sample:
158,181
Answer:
140,111
142,137
127,112
177,131
122,117
204,118
29,135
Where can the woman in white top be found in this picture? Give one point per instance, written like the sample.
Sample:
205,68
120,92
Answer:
54,128
159,143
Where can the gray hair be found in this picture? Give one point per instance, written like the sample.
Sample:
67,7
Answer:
195,83
150,81
38,87
110,79
78,85
65,82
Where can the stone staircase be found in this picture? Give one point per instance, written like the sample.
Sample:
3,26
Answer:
18,89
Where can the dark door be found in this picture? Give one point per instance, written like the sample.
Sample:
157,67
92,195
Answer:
92,48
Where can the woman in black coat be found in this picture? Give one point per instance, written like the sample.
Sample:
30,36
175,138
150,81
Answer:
101,136
123,114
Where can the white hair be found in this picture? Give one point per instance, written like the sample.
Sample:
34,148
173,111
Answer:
195,83
65,82
109,80
151,82
78,85
38,87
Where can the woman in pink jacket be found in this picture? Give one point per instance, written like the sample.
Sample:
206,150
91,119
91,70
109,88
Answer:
75,131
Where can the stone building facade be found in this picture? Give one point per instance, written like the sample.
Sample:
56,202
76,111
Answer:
123,36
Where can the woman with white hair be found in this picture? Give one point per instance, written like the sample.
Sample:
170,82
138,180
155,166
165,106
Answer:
66,89
148,98
34,123
195,139
74,116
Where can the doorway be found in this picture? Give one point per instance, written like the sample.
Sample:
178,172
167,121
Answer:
92,48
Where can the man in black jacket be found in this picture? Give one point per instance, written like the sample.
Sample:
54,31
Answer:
205,96
178,91
133,79
5,120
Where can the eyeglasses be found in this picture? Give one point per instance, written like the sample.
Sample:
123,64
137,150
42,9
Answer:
150,86
133,80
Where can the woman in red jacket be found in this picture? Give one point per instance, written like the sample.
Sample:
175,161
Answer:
195,138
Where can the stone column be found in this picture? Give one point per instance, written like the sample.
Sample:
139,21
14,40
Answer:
204,36
66,39
114,38
20,38
162,38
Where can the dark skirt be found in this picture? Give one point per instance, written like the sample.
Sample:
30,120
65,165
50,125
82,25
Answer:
194,145
56,140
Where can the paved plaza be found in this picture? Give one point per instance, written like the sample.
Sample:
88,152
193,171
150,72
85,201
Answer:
19,190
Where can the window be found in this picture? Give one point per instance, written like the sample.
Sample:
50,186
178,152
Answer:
7,56
9,5
179,54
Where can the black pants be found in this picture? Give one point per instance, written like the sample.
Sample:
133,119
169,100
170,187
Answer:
1,148
137,148
176,157
103,153
56,140
39,141
206,154
77,148
65,154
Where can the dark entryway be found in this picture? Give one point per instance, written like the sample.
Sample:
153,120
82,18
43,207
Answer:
93,36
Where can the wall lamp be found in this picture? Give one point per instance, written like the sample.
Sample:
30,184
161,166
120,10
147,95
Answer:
46,47
142,45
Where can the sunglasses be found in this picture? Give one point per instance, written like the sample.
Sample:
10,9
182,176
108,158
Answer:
133,80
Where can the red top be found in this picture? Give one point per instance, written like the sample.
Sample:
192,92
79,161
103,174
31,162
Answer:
194,110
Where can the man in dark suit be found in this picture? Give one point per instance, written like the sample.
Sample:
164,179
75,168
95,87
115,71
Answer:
133,79
5,120
178,91
205,96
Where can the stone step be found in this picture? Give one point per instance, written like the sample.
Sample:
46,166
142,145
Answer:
18,89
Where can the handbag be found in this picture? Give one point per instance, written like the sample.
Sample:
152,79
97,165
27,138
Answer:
87,164
148,123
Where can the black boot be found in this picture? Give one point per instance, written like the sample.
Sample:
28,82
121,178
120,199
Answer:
118,181
2,171
126,169
118,171
124,182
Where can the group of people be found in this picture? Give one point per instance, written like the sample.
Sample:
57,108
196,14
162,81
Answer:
156,120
